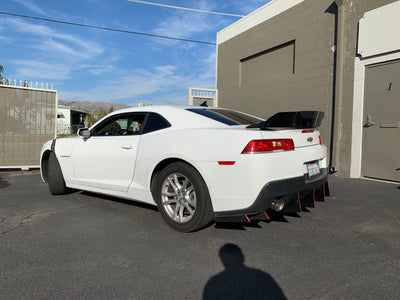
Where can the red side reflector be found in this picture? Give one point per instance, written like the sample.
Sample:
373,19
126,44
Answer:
226,163
307,131
257,146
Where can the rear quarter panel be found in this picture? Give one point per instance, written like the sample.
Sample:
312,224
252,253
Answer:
192,145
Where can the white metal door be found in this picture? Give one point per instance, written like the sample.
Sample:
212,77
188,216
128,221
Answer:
381,146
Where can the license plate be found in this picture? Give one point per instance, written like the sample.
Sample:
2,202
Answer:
313,169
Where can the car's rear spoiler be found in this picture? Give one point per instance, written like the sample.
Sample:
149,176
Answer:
292,119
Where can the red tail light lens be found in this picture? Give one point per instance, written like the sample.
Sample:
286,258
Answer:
320,140
257,146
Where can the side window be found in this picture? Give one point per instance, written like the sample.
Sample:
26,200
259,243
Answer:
125,124
155,122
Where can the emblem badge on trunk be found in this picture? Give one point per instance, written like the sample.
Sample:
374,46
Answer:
310,139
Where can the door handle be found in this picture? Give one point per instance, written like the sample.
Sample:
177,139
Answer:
127,147
369,122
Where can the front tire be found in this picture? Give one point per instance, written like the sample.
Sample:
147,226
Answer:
182,198
55,177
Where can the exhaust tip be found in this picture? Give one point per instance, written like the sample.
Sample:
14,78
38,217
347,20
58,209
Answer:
277,205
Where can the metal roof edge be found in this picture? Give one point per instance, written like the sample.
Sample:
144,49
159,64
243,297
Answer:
262,14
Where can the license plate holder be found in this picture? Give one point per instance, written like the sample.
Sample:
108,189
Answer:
313,169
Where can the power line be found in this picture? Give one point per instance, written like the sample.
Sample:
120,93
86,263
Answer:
107,28
185,8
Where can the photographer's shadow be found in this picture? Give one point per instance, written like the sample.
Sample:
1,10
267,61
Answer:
240,282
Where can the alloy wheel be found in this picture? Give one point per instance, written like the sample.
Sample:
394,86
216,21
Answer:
178,198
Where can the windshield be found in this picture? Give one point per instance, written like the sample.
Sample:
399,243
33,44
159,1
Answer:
226,116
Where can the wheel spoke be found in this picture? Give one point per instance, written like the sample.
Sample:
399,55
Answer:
176,180
177,207
190,210
174,186
170,201
190,202
185,184
181,209
167,194
188,191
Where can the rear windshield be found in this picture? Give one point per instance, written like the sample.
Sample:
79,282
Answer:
226,116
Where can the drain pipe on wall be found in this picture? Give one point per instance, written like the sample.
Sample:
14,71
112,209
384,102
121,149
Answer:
338,110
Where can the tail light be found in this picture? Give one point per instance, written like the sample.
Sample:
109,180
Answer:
259,146
320,140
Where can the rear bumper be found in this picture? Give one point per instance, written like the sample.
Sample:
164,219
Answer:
275,189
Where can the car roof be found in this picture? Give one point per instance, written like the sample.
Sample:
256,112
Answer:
161,108
178,115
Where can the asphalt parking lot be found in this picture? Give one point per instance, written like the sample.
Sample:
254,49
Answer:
88,246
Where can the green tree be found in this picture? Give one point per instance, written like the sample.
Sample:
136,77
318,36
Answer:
143,103
92,118
1,77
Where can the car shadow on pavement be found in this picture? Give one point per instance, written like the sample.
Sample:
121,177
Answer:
283,217
236,225
119,200
238,281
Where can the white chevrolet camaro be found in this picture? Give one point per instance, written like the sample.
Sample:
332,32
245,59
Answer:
197,164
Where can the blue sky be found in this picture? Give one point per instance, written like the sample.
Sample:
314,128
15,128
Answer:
95,65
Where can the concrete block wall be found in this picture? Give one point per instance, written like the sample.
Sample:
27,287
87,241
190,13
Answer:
279,89
316,83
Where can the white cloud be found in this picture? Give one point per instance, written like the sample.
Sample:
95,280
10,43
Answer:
28,69
129,86
29,4
101,69
174,98
54,55
168,70
61,70
82,47
5,39
144,84
248,6
57,47
184,24
209,64
58,54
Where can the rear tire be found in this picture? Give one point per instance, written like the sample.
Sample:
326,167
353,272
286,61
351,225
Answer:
55,177
182,198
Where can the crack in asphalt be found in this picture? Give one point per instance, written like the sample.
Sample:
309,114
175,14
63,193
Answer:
11,223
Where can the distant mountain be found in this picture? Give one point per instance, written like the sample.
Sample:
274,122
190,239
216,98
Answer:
92,106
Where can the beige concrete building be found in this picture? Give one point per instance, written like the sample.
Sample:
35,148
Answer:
27,120
341,57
